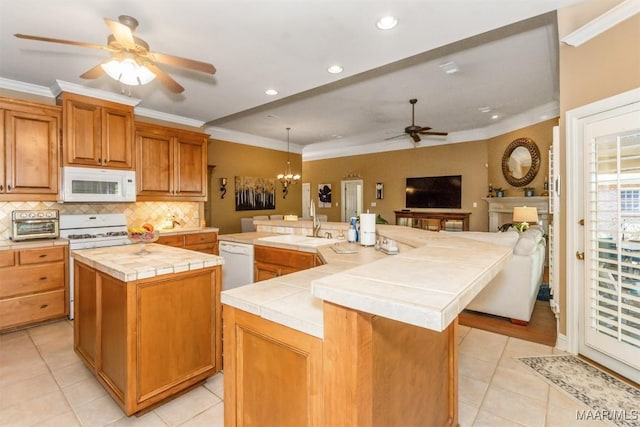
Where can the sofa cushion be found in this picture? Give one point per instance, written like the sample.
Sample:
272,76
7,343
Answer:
525,246
534,234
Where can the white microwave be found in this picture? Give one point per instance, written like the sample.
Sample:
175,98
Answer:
97,185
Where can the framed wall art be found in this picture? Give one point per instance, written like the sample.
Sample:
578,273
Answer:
324,195
253,194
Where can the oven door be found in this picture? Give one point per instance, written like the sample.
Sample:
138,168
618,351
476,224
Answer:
34,229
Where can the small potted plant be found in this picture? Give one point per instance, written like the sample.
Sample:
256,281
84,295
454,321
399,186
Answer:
499,192
528,191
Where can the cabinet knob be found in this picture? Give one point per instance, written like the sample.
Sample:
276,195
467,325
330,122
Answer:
44,306
8,188
99,161
43,255
1,187
43,278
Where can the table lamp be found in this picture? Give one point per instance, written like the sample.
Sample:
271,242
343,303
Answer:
525,215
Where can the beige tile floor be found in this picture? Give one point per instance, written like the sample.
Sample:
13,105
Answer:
43,383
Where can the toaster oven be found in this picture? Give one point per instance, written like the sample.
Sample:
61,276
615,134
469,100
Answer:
35,224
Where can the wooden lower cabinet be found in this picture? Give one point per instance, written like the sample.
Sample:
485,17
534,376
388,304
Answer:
273,374
149,339
33,286
270,262
206,242
366,371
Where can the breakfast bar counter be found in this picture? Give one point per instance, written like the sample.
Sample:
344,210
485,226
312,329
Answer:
147,326
365,339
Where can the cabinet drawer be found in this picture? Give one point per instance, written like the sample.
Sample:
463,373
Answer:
194,239
32,308
7,259
39,278
174,240
207,248
284,257
38,256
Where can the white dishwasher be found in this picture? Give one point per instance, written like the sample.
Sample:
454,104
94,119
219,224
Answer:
238,264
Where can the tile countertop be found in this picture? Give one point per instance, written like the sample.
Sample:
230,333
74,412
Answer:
7,244
427,284
124,262
187,230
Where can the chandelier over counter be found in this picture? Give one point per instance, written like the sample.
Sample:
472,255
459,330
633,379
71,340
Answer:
287,178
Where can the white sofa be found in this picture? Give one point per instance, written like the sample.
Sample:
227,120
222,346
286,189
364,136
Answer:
513,292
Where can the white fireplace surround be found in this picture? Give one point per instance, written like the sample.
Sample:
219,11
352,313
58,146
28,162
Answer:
501,210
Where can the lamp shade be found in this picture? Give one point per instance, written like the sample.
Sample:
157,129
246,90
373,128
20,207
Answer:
525,214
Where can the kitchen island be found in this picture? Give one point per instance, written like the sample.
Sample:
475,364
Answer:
147,326
366,339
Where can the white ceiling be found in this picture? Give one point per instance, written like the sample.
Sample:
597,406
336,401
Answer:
506,50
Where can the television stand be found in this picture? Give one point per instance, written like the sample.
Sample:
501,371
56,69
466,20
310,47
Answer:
434,220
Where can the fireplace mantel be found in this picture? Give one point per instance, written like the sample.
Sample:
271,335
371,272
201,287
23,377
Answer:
501,210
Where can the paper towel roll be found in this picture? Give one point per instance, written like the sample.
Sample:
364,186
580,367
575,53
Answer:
367,229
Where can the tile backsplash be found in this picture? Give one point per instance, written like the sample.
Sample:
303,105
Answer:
157,213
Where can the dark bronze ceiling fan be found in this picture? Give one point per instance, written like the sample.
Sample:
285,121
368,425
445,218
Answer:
123,45
415,131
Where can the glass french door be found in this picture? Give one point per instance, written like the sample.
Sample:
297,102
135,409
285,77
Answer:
610,326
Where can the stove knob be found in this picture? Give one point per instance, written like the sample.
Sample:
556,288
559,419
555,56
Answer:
40,215
32,215
49,214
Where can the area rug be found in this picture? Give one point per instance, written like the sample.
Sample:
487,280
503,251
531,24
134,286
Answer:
610,399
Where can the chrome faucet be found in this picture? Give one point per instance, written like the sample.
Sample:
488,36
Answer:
316,220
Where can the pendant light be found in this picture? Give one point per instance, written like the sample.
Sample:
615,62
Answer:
287,178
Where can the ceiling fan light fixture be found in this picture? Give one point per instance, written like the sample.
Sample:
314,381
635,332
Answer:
271,92
387,22
335,69
128,72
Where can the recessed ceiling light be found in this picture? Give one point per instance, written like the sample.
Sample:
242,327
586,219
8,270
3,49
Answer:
271,92
335,69
485,109
449,67
387,22
495,116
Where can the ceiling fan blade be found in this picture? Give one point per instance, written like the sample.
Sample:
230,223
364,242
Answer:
423,129
177,61
165,78
73,43
94,72
435,133
416,137
121,33
395,137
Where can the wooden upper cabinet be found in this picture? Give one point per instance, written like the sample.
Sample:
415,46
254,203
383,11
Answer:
29,141
97,133
171,164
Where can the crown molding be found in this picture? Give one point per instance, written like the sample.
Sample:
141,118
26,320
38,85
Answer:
62,86
327,150
26,88
602,23
153,114
249,139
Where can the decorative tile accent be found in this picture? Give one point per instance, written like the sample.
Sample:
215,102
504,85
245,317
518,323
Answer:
157,213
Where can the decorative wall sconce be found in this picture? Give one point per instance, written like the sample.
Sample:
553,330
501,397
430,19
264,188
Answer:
379,190
223,187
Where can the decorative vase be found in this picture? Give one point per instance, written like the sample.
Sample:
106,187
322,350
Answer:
499,193
528,192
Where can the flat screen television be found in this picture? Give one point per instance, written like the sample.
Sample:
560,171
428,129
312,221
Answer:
434,192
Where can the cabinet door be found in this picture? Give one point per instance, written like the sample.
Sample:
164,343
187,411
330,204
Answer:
82,133
31,149
155,159
85,328
264,271
117,135
191,170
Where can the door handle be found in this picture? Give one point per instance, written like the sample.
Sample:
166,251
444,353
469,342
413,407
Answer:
580,255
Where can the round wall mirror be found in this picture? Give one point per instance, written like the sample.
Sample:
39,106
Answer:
521,162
